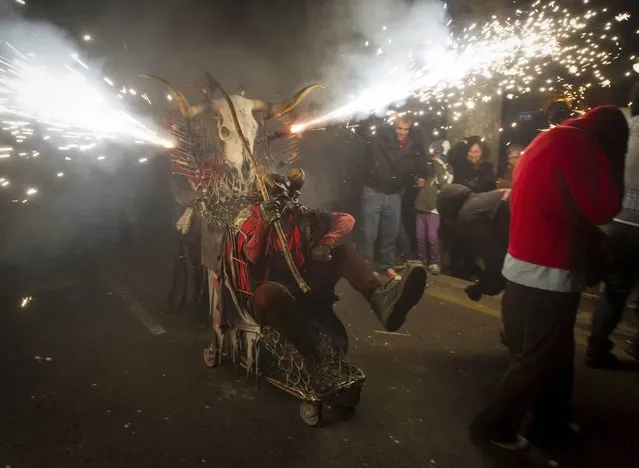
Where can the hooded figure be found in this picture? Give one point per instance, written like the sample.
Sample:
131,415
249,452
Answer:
570,181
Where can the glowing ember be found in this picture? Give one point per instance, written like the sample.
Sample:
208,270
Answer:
25,301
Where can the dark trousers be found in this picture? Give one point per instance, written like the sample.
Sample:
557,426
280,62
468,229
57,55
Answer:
538,327
619,283
289,311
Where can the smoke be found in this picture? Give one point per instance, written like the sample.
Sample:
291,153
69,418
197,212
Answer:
372,43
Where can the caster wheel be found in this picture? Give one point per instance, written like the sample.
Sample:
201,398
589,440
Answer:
210,356
350,398
310,413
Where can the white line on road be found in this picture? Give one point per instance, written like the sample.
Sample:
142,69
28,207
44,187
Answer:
137,309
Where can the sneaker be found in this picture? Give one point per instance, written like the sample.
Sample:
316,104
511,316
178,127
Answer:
473,292
392,301
516,443
434,269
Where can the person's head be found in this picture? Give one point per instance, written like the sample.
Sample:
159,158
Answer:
514,155
475,153
609,127
402,127
634,100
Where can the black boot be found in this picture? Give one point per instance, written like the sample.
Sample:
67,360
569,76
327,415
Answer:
473,292
392,301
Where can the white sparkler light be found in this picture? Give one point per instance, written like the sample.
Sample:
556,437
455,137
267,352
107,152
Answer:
32,191
87,38
66,98
60,174
511,54
21,2
635,67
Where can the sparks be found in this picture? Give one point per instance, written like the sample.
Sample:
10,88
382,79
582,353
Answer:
510,53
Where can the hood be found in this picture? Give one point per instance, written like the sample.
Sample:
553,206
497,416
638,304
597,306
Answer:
609,126
450,200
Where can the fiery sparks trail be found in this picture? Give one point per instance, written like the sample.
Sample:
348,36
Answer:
547,44
66,99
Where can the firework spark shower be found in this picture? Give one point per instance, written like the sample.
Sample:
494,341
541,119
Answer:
542,47
44,78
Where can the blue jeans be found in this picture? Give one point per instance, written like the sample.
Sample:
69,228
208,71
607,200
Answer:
381,213
619,283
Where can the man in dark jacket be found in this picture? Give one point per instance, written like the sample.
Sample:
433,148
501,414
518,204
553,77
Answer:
393,159
479,221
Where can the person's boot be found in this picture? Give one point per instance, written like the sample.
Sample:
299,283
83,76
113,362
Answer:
392,301
473,292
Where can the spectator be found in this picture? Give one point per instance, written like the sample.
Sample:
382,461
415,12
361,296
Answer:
570,181
474,171
621,279
393,160
480,222
513,155
439,173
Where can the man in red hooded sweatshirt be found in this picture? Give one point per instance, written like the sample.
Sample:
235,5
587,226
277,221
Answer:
569,181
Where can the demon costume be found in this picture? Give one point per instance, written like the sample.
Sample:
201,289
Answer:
312,238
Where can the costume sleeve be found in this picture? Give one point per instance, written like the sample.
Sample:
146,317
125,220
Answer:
254,231
341,224
591,184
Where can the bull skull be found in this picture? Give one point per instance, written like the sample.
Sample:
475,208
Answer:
234,150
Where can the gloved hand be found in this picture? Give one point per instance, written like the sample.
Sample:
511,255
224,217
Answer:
270,210
322,253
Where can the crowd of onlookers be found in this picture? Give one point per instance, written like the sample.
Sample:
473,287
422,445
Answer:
564,216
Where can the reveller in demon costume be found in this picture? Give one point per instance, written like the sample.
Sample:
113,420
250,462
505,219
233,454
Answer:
313,238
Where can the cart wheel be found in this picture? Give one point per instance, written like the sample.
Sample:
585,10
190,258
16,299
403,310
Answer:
311,413
210,356
350,398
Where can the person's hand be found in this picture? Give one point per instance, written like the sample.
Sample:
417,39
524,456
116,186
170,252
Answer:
270,211
420,182
505,193
322,253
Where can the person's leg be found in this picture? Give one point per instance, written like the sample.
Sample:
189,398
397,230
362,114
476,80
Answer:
537,325
619,283
403,242
432,223
390,302
371,210
421,235
276,307
389,227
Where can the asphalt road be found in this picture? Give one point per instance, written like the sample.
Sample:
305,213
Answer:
93,373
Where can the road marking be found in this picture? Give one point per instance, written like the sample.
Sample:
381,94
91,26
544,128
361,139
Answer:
137,309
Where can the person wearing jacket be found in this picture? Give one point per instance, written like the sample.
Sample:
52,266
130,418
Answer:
427,217
480,222
473,169
622,277
570,181
393,162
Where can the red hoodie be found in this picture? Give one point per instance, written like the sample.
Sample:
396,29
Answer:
569,180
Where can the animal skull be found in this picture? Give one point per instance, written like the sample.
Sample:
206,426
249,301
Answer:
234,152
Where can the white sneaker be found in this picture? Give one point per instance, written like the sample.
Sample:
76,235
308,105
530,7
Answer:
434,269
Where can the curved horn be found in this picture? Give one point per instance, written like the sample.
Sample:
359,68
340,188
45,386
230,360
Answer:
277,110
186,109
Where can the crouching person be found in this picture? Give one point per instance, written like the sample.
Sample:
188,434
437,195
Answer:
313,240
479,222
